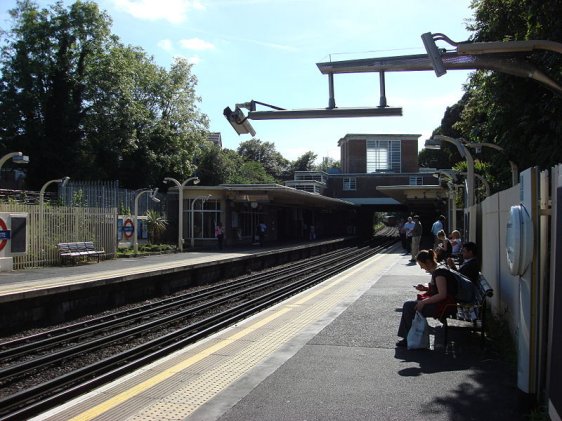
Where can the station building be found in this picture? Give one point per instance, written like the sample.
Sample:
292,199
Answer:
379,173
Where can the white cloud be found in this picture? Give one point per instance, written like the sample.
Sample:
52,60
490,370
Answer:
174,11
194,59
166,45
196,44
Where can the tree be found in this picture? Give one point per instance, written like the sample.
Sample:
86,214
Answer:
89,106
218,166
266,154
304,163
252,172
520,115
328,164
44,63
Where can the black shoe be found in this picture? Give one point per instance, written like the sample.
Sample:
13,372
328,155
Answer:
402,343
413,260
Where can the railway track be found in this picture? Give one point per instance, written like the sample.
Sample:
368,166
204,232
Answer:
44,370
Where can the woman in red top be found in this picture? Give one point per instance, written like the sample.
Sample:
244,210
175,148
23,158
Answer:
437,294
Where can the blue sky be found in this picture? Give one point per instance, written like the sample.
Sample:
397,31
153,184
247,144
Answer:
267,50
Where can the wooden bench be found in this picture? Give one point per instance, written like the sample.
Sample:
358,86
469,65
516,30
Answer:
472,313
76,251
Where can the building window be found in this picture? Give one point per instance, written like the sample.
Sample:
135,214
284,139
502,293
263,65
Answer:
416,181
349,184
383,155
205,216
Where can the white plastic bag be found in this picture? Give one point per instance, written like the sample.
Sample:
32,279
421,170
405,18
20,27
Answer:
418,335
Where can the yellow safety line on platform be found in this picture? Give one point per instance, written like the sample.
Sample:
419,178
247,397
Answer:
120,398
153,381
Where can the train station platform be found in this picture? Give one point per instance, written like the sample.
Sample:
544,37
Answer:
327,353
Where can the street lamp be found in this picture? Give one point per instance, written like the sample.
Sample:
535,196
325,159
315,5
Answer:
180,187
435,143
62,181
478,148
17,157
203,200
451,195
135,216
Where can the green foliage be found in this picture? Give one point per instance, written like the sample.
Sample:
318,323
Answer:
304,162
79,199
265,154
518,114
156,225
251,172
327,164
89,106
123,209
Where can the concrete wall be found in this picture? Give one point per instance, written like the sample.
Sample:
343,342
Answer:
494,216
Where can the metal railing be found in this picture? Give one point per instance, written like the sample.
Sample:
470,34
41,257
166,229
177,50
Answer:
50,225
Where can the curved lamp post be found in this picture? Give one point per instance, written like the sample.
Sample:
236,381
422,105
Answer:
180,187
62,181
435,143
203,200
514,168
135,216
452,195
17,157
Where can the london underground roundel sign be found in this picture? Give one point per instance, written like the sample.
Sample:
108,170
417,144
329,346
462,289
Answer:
4,234
128,228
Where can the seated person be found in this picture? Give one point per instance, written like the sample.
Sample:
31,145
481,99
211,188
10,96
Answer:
456,242
470,266
438,294
444,248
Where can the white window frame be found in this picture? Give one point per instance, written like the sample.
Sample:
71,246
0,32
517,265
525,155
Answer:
349,184
384,155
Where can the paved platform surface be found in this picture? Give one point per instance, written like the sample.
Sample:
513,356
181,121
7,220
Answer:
30,280
351,370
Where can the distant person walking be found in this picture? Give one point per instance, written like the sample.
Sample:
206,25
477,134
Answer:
262,230
416,238
219,234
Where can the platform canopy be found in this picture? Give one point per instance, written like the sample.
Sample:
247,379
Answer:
413,195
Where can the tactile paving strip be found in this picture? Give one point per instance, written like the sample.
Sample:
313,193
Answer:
191,379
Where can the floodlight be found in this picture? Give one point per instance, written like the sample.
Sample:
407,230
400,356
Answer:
153,195
20,159
434,54
239,121
196,181
433,144
64,181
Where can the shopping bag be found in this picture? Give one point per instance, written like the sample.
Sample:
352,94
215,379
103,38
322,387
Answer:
418,335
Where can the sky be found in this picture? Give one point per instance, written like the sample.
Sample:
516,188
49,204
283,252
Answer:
267,50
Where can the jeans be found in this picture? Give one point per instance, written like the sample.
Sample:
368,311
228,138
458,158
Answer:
415,246
408,314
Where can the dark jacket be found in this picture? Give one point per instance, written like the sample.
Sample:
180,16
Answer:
471,269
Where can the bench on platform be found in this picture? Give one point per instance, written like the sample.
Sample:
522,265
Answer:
472,313
76,251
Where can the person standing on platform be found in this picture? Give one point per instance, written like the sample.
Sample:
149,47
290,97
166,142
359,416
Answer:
408,228
437,226
416,238
262,229
219,234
